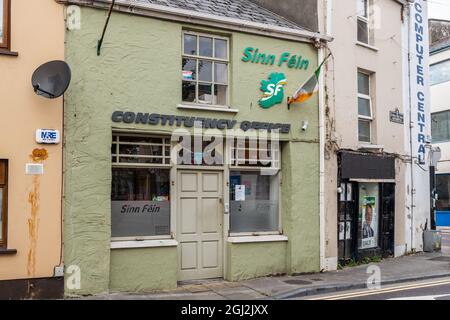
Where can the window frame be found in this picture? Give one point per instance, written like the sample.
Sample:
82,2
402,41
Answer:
4,204
232,167
447,112
365,20
122,165
5,42
212,59
364,118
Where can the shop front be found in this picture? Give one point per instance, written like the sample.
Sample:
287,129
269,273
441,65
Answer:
182,159
366,206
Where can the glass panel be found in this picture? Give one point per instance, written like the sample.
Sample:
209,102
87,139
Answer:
363,83
363,31
364,107
200,150
368,216
440,126
1,214
205,70
1,20
190,44
131,159
205,92
362,8
220,49
220,95
206,45
188,91
140,150
440,72
254,202
140,139
442,190
364,131
140,202
221,73
189,69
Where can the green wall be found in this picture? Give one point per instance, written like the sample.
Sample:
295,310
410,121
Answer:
139,70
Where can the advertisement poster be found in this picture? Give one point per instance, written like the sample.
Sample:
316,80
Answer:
369,222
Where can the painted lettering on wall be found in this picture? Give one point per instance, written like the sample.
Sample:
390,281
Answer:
292,61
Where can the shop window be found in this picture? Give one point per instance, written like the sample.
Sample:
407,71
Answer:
3,201
442,190
365,112
440,126
368,215
205,65
4,24
140,193
254,202
363,21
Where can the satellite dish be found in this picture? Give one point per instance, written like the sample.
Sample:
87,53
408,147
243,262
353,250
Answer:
51,79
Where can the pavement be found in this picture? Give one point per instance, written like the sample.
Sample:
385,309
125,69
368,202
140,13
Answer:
417,267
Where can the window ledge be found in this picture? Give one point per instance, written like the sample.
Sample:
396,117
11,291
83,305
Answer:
265,238
7,251
206,107
368,46
6,52
369,146
143,244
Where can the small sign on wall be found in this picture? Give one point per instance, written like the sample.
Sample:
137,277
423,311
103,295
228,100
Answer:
34,169
396,117
47,136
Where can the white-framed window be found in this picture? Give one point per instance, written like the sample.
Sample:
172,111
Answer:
363,21
205,69
255,187
140,188
365,110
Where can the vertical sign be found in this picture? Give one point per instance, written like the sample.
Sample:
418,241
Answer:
419,56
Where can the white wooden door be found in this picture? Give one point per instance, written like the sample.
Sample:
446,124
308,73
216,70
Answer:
199,224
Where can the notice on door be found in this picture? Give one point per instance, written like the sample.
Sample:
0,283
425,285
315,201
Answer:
369,218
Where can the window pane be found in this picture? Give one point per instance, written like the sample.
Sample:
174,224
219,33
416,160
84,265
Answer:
221,73
220,95
140,203
368,215
189,69
206,45
440,126
364,131
190,44
363,83
205,92
363,31
362,8
1,214
254,202
205,70
364,107
440,72
188,91
221,49
442,190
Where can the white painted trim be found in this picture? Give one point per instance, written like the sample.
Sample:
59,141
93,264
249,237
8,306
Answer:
203,108
251,239
322,220
198,18
369,146
374,180
143,244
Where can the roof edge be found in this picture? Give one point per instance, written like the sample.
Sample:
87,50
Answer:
192,17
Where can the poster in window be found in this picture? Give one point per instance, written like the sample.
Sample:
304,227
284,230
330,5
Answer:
369,222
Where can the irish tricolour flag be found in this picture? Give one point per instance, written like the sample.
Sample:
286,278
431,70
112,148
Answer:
308,88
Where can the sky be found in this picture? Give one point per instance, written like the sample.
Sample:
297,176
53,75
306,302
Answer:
439,9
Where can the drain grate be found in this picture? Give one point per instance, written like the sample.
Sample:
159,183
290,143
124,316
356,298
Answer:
441,258
298,282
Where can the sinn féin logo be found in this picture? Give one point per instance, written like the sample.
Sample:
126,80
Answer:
273,90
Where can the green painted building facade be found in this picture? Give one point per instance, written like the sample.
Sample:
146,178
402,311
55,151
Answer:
140,70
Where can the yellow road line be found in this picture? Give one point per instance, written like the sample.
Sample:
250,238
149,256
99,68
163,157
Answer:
363,293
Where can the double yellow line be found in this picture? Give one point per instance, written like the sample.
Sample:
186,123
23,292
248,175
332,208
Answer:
368,292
